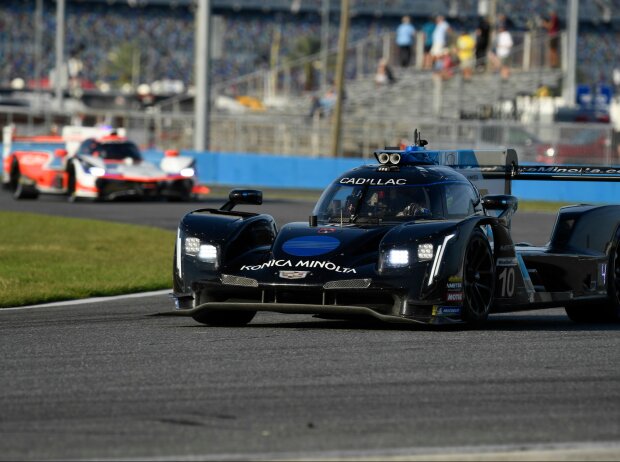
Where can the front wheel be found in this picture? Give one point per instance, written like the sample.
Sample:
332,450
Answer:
478,279
227,318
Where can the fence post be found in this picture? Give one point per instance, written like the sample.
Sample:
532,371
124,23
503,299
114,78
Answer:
437,95
387,46
527,51
359,61
419,50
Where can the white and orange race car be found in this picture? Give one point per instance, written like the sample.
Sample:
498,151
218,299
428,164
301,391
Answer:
93,163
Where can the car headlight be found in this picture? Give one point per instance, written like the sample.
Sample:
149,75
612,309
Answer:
550,152
208,253
187,172
192,245
96,171
396,258
425,251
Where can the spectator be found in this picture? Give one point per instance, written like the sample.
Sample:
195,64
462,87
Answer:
427,29
503,47
466,45
384,73
483,33
552,25
503,20
323,106
444,64
440,37
404,39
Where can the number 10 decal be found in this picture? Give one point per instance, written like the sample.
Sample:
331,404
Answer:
507,282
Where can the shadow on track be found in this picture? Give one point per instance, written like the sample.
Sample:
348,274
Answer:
495,323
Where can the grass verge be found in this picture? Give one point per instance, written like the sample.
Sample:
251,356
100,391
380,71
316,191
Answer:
46,258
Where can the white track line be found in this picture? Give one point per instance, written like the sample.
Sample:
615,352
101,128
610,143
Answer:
512,452
85,301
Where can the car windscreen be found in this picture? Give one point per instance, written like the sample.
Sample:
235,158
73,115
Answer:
371,204
119,151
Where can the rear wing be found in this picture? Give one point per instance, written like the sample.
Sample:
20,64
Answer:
567,173
71,138
491,170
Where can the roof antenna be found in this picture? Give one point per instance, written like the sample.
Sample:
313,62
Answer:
417,139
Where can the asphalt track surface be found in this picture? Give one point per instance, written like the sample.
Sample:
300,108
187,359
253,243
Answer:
114,379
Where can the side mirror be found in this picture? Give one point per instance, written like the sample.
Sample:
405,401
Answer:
504,204
60,153
242,196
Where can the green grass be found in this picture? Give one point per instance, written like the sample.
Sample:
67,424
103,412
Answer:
542,206
45,258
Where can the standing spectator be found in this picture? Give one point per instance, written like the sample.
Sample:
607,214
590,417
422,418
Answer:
440,37
483,33
553,33
427,29
466,45
503,47
404,39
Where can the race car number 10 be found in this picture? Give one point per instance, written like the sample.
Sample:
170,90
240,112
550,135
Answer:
507,282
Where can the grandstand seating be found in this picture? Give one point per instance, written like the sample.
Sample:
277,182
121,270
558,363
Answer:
163,31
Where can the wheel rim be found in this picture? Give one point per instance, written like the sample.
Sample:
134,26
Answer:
478,283
616,273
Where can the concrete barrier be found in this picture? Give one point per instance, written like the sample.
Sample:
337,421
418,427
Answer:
316,173
277,171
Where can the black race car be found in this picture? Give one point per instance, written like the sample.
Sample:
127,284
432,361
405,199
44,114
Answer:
422,236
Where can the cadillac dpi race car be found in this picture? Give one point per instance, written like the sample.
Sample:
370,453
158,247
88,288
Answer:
422,236
101,166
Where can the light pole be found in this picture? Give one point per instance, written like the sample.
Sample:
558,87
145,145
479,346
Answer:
60,51
569,91
202,66
324,42
342,55
38,39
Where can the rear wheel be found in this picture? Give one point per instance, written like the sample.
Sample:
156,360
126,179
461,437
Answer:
610,311
228,318
20,189
478,279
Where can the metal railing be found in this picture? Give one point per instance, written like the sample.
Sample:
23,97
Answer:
303,136
299,78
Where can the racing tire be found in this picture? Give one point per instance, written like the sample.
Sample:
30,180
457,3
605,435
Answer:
220,318
478,279
71,196
610,311
21,190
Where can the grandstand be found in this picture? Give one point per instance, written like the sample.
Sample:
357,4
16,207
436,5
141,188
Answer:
162,32
157,40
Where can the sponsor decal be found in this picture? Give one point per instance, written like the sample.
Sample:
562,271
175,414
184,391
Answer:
310,246
454,296
310,264
603,272
446,310
571,170
455,286
327,230
455,279
293,274
374,181
33,159
506,261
